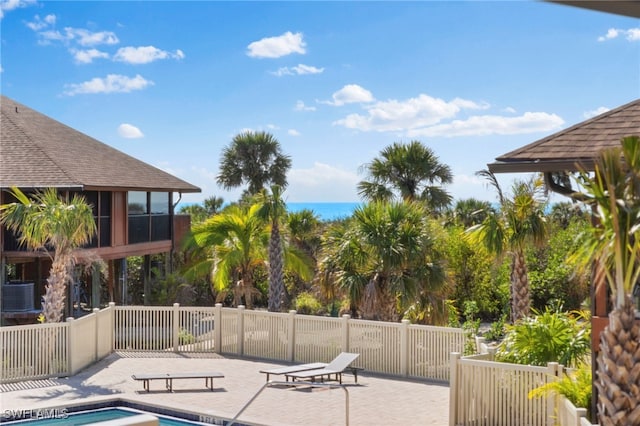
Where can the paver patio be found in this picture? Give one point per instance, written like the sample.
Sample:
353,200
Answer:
373,400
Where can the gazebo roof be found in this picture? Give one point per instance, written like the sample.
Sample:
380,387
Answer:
576,145
37,151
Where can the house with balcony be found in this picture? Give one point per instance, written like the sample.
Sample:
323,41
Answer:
133,206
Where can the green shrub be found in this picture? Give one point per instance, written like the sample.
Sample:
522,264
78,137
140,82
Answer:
185,338
576,386
551,336
306,303
496,331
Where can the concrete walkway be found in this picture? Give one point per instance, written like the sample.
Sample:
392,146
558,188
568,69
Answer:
373,400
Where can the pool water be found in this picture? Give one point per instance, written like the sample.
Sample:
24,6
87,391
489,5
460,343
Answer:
94,416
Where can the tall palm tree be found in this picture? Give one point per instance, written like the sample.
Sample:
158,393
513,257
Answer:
47,222
273,209
254,158
614,248
384,257
410,171
519,222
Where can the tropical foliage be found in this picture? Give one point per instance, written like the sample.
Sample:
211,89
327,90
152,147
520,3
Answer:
407,172
256,159
233,247
48,222
519,223
384,259
549,336
613,248
576,386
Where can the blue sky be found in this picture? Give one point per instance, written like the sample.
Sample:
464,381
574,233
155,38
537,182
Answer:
171,83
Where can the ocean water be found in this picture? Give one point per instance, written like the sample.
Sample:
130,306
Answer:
326,211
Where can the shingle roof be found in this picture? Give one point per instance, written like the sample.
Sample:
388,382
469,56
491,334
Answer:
37,151
578,144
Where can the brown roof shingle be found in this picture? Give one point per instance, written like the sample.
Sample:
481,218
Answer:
37,151
578,144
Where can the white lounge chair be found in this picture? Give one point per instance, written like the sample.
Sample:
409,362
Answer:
339,365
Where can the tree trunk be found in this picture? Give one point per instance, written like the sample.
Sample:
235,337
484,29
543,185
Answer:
618,374
276,276
54,296
520,302
379,304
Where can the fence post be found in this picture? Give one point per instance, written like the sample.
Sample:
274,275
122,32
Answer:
240,330
292,336
404,347
96,331
71,341
554,370
345,332
113,322
453,388
217,328
176,326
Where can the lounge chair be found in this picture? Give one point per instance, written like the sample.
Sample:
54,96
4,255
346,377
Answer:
293,369
339,365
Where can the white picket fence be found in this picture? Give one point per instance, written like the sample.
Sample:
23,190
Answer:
488,393
399,349
52,350
482,392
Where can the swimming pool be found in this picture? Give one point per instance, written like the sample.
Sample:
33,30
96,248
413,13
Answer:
78,416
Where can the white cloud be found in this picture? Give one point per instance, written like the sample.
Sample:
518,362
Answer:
9,5
112,83
351,93
85,37
509,110
87,56
276,47
272,127
129,131
322,182
593,113
144,54
300,69
300,106
413,113
39,24
529,122
632,34
293,132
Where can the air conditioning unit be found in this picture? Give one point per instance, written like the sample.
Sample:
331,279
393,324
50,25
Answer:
17,297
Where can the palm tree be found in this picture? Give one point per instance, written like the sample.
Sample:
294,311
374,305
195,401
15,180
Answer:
384,258
254,158
273,209
409,171
614,249
200,212
47,222
230,246
519,222
471,212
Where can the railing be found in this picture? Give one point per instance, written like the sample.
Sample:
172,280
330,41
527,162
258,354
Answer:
53,350
483,392
390,348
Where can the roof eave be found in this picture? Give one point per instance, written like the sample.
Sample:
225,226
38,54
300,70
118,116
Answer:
538,166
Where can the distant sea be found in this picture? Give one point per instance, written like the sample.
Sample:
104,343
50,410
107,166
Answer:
325,211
